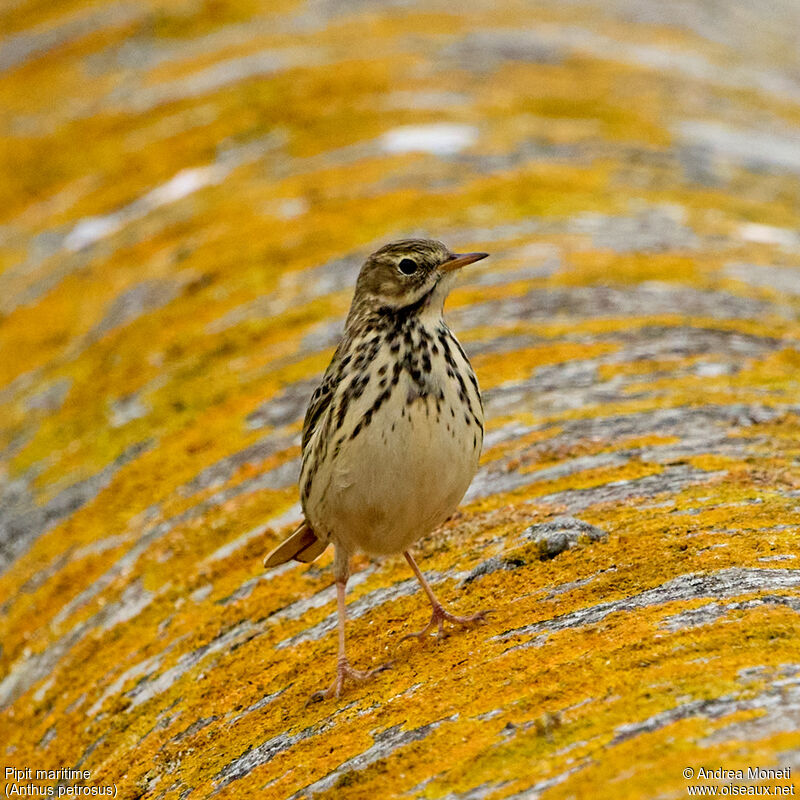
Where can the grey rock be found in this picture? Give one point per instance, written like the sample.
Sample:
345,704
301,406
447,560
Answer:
373,599
493,564
711,612
132,303
50,398
494,479
29,44
151,687
484,51
754,149
196,726
126,409
259,704
778,707
780,279
28,671
385,743
22,520
562,533
654,229
670,480
285,408
699,165
590,302
216,76
716,585
220,472
262,754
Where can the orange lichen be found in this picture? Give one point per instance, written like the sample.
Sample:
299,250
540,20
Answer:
518,365
173,353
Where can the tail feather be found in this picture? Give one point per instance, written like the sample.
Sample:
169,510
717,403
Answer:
311,552
301,545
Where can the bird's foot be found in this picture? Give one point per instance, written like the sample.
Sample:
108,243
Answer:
345,672
440,616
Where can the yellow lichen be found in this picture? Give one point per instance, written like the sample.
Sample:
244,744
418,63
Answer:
141,637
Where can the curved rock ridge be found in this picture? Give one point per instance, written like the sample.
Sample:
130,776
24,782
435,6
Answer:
187,192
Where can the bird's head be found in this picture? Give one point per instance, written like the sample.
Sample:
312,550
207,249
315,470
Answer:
414,275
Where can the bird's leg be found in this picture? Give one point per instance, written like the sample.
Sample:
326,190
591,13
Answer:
439,615
341,566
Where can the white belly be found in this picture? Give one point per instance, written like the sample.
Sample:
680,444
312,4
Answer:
390,487
401,475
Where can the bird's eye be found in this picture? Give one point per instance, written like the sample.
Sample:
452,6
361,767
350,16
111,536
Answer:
407,266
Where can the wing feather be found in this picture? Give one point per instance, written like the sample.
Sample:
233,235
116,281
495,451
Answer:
322,397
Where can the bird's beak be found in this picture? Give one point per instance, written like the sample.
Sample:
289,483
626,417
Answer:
461,260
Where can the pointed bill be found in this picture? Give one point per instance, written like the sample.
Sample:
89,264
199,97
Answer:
461,260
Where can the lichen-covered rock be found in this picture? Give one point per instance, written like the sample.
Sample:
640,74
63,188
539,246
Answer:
561,533
187,191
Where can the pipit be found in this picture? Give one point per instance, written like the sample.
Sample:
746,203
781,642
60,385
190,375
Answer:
392,435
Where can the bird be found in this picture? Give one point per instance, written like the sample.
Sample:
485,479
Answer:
393,433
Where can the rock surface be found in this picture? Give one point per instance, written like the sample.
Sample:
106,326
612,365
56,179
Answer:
187,191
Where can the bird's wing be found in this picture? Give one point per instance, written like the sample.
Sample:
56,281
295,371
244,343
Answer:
303,544
321,398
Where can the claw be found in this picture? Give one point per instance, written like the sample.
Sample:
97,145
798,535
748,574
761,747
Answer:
345,672
440,616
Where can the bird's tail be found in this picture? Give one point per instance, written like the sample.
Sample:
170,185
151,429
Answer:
301,545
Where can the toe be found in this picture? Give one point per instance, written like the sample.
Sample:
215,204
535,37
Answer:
419,635
475,619
318,696
344,673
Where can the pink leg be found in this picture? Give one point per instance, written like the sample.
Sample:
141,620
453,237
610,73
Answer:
439,615
343,669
